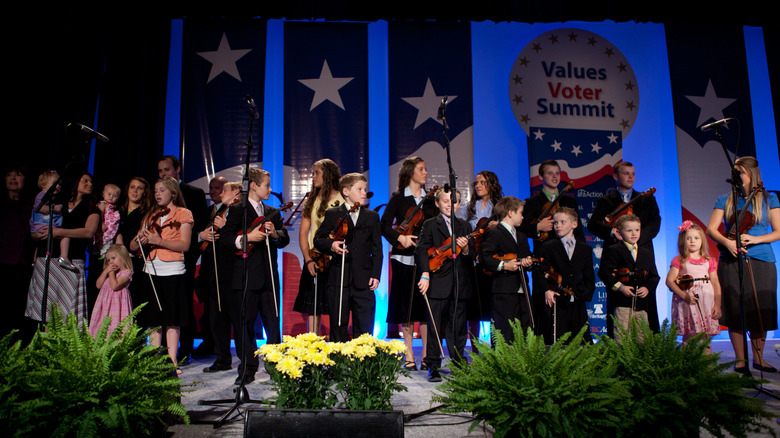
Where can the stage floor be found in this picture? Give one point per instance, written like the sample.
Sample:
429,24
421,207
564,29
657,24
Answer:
210,386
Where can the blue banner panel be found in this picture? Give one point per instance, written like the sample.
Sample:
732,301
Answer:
428,62
223,69
325,116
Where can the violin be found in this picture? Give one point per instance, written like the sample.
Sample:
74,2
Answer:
414,217
153,225
555,282
339,231
260,221
482,224
549,209
625,208
437,256
320,260
535,262
745,219
220,213
685,282
627,276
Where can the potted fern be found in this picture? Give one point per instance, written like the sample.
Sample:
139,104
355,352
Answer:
68,383
649,386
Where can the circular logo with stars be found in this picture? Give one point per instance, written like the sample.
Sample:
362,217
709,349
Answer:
575,79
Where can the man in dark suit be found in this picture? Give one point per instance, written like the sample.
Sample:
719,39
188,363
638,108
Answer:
195,201
572,260
215,285
646,208
260,279
620,294
361,250
447,295
510,297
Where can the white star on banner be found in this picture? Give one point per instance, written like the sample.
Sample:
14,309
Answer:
538,134
326,87
710,105
427,105
224,59
612,138
556,146
596,147
576,151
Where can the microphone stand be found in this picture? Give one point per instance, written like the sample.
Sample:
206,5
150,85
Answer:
48,198
453,200
242,395
737,192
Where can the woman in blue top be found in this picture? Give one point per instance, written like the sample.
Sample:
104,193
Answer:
766,208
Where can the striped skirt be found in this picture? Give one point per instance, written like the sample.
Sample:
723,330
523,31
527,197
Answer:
67,289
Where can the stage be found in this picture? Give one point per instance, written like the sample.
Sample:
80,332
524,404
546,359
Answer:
209,386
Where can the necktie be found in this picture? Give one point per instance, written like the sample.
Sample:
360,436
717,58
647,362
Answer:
633,251
626,197
569,247
213,211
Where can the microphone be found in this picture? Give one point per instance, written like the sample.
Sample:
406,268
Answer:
91,133
442,114
710,126
249,101
252,108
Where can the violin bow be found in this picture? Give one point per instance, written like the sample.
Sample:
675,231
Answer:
524,284
271,270
433,321
216,269
154,289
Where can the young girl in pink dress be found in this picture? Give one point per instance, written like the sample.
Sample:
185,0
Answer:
114,298
696,309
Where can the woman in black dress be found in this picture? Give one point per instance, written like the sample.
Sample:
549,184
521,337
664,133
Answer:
406,305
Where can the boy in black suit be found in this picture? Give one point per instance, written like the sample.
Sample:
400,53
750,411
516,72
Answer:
510,300
645,208
261,278
572,260
637,290
447,295
361,251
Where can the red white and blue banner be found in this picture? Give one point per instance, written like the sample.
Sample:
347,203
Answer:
709,77
576,96
223,64
325,116
427,63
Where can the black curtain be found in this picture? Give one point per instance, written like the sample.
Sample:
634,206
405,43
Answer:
72,63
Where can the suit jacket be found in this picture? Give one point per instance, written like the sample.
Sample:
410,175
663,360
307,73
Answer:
619,256
498,241
646,209
577,273
533,208
364,243
195,201
434,233
257,262
395,211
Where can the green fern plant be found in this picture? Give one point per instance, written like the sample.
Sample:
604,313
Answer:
676,389
67,383
524,389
